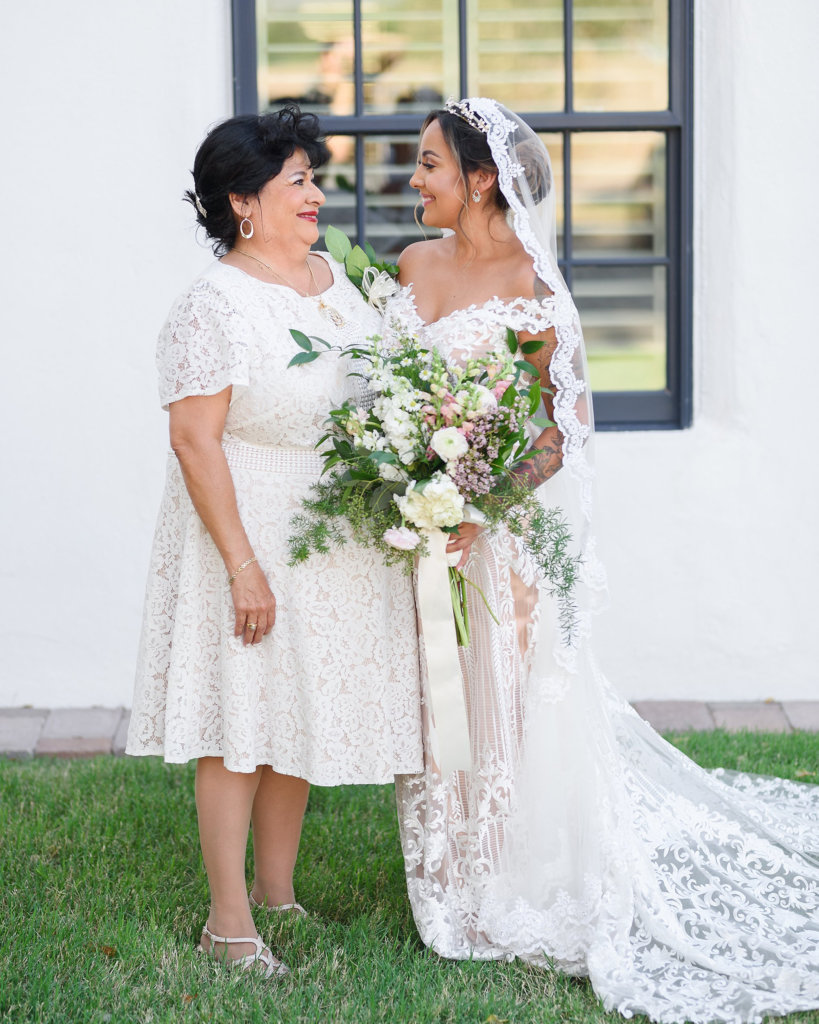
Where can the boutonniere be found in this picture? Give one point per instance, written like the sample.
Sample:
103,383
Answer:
374,278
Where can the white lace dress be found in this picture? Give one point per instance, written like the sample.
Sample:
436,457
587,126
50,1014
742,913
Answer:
332,693
580,839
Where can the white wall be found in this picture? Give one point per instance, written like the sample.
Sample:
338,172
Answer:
104,106
708,534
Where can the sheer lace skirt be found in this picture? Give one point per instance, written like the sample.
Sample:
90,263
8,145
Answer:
581,840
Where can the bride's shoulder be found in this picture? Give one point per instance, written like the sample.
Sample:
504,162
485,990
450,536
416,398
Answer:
422,256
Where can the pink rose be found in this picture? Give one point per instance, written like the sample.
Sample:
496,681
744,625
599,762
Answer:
402,537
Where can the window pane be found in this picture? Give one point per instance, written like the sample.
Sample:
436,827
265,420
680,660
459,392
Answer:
516,52
306,54
618,194
620,55
389,161
410,55
623,313
338,180
553,141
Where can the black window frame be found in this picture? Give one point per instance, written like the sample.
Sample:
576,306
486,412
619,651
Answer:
670,408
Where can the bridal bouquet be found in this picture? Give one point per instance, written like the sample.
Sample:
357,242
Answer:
439,446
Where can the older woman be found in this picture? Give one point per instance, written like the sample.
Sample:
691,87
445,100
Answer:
271,676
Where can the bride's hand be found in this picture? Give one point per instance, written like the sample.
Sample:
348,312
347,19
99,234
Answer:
463,541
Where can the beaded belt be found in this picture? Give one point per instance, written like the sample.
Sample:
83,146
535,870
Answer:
273,460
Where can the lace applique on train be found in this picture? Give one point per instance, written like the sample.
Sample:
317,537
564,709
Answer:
580,838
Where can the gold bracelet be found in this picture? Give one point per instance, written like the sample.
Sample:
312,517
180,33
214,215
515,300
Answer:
244,565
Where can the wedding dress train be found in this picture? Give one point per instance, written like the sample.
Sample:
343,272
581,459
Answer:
580,839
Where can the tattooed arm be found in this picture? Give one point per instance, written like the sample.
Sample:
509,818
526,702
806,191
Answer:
546,456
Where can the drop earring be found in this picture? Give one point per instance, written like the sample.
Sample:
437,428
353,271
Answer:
242,232
476,196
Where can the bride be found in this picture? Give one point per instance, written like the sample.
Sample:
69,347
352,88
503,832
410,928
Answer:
579,839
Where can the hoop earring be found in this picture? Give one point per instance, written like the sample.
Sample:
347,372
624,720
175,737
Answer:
476,196
242,222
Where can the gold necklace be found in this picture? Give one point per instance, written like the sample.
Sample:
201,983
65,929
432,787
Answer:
328,312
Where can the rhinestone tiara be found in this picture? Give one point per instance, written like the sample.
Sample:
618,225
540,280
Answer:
462,109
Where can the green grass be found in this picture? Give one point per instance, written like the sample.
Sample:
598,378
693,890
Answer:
102,897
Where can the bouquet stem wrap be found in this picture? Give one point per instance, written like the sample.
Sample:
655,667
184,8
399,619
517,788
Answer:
446,687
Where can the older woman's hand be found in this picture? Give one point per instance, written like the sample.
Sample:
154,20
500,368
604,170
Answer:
254,604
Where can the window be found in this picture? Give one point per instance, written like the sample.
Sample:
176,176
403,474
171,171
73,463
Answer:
607,83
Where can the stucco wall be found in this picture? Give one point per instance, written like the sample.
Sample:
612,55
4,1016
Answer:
708,533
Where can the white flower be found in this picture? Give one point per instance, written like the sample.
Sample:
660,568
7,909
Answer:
389,472
378,287
483,400
449,443
432,504
402,537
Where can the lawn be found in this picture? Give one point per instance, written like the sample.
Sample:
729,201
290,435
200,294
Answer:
102,897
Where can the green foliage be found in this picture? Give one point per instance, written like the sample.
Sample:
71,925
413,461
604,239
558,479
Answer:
351,505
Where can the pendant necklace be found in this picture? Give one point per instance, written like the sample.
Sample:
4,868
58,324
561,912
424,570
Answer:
328,312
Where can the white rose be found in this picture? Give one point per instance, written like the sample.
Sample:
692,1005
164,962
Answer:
402,537
432,504
449,443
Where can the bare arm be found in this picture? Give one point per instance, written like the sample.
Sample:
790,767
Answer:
547,450
196,427
546,456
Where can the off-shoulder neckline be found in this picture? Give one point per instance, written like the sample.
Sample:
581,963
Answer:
474,307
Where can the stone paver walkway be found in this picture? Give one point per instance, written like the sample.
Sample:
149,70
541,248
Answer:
82,732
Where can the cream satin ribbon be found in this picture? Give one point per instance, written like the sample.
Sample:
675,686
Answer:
446,687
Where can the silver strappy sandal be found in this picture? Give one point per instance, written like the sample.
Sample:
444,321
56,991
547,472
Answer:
279,907
263,956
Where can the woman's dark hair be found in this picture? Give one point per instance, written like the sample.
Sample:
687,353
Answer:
471,149
241,155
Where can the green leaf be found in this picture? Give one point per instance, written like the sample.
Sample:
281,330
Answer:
509,396
532,346
511,340
370,253
542,421
379,457
356,260
302,340
338,244
534,398
527,367
303,357
382,496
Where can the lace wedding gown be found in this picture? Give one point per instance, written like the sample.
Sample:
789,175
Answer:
580,839
331,694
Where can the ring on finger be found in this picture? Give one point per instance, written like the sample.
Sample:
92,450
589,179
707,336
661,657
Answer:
251,626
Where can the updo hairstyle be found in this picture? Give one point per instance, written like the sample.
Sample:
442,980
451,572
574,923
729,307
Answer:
241,155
